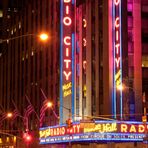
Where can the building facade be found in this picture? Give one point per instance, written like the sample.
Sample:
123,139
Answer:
111,52
27,64
94,47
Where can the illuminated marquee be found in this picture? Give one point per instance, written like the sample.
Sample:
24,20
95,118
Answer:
117,55
98,130
66,54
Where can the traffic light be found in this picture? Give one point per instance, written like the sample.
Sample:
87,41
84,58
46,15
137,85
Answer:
69,122
27,137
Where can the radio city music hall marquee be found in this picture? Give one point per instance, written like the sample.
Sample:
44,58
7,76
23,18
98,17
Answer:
98,130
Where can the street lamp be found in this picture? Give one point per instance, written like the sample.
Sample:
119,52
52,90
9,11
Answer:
49,104
42,37
9,115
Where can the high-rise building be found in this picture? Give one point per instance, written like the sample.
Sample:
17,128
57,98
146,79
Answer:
94,47
111,51
29,67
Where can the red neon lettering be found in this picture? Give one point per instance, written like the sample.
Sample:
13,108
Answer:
84,25
67,21
132,129
76,128
58,131
117,48
67,9
116,2
117,61
117,22
117,35
84,64
55,131
124,128
67,75
67,62
67,52
51,132
141,128
66,40
67,1
84,42
63,130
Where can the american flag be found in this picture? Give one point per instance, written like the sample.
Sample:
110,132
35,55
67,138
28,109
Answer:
27,112
15,113
42,111
3,117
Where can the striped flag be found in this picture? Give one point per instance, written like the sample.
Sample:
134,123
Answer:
15,114
27,112
44,108
3,117
42,111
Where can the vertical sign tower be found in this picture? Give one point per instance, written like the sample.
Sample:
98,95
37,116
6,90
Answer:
67,41
117,57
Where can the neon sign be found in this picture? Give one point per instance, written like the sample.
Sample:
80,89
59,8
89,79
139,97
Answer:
98,130
66,57
117,45
59,131
67,40
106,127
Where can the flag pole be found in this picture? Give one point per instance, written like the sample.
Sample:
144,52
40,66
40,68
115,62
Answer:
45,97
32,106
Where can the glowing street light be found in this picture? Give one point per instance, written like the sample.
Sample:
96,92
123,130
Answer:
43,36
9,115
49,104
120,87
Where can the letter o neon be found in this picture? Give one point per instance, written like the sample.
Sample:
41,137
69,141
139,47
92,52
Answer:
116,2
67,1
67,21
117,22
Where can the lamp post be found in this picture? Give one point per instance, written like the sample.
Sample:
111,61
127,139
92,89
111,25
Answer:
41,36
144,117
129,100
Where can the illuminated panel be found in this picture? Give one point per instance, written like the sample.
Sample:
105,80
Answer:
98,130
117,46
66,57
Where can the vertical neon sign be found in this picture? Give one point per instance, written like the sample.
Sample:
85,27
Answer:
66,57
117,45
